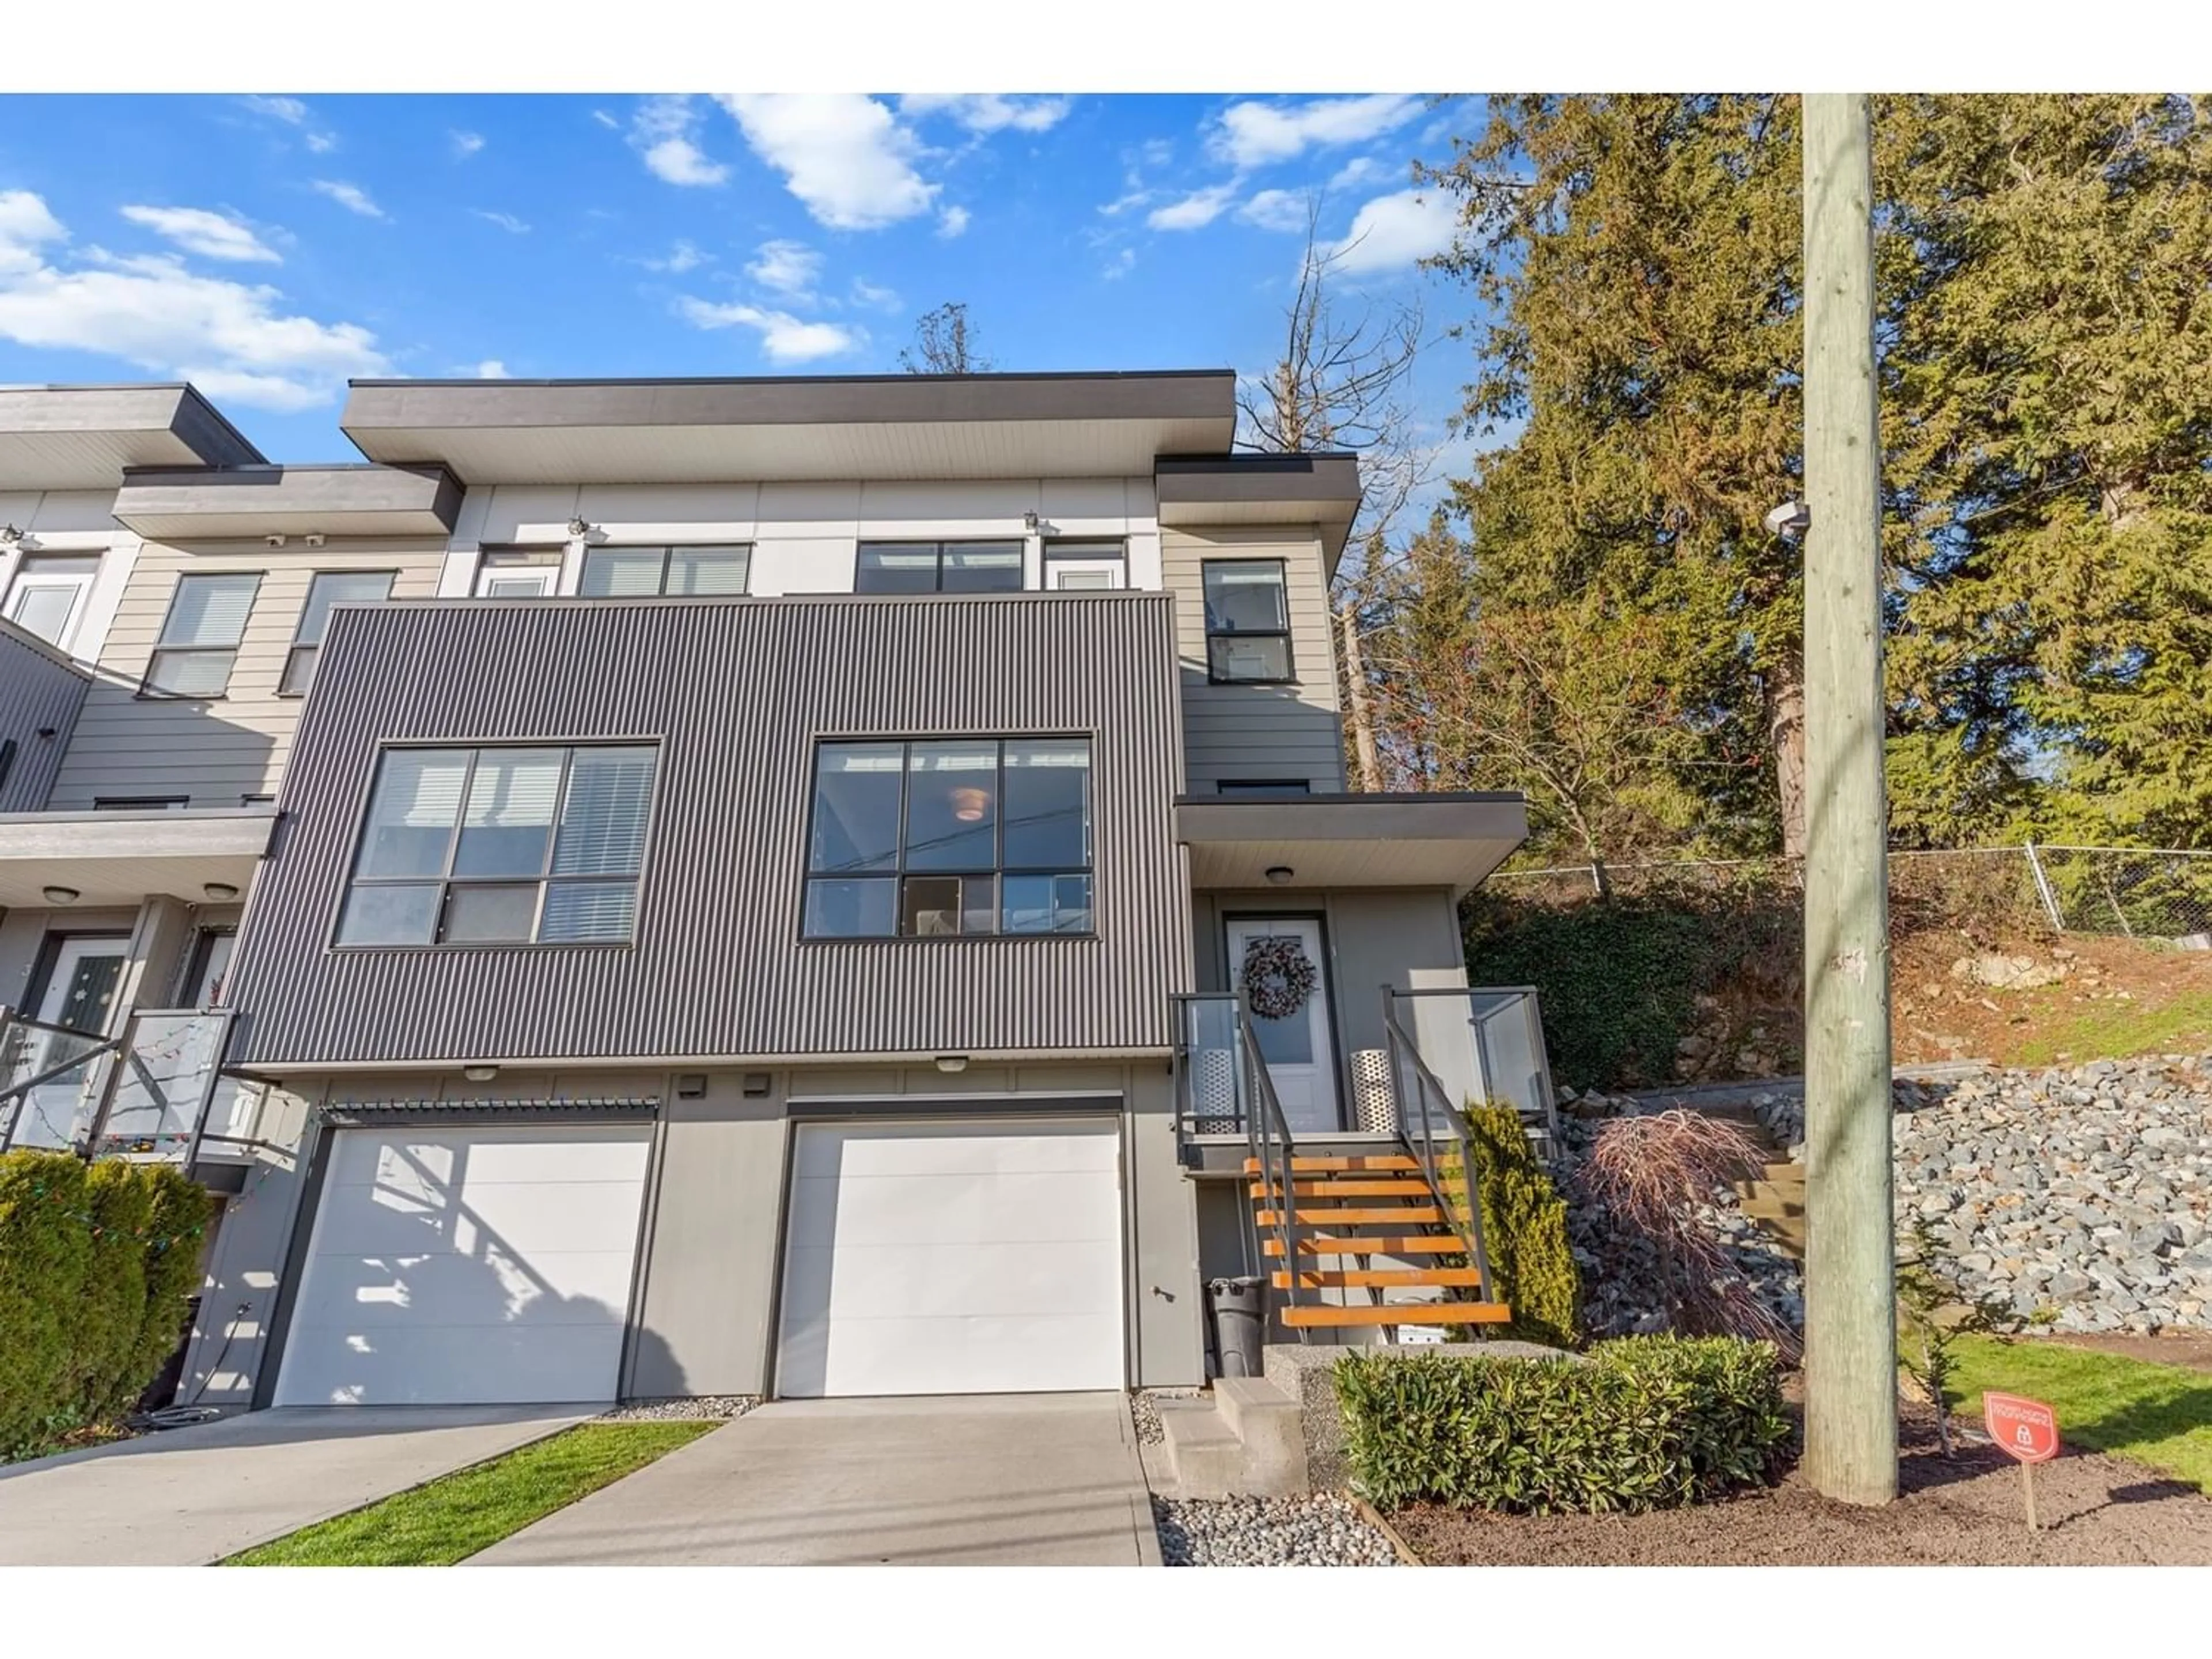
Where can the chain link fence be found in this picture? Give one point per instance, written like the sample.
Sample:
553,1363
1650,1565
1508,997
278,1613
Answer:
2128,891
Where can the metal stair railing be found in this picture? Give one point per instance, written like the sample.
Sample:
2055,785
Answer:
1267,1134
1432,1106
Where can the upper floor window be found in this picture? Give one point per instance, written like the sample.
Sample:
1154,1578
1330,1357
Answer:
1248,621
49,595
329,587
622,572
1263,786
502,846
508,575
141,802
938,568
1070,566
945,838
199,640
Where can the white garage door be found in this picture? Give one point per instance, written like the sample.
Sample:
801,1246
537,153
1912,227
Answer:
953,1258
468,1267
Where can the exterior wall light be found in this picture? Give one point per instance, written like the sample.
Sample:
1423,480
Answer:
62,895
1030,522
953,1062
1280,873
579,526
480,1073
221,892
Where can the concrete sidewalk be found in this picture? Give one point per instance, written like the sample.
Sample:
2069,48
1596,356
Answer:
188,1497
1003,1480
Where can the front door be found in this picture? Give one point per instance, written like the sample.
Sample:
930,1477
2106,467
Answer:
1295,1044
80,991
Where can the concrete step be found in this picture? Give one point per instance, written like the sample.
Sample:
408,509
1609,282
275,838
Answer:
1207,1458
1245,1440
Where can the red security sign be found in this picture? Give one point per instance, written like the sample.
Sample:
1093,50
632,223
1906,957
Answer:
2025,1429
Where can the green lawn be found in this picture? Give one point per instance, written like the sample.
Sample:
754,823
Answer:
451,1518
2115,1031
2158,1415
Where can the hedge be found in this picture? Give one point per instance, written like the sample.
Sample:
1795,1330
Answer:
97,1264
1524,1230
1642,1423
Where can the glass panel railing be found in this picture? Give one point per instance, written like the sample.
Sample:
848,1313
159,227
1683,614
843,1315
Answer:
50,1082
167,1078
1215,1080
1483,1044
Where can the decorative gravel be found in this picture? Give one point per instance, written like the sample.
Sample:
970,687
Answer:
1147,1415
1323,1530
714,1406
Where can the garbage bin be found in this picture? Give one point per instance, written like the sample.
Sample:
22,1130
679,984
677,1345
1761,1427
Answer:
1238,1324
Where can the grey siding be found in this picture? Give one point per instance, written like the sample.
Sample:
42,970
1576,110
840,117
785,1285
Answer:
1257,731
217,749
40,691
735,691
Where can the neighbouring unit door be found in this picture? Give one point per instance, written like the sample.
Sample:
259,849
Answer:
468,1267
1300,1058
79,997
953,1258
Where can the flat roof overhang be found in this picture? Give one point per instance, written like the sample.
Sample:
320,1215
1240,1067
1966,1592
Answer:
123,857
184,503
702,431
83,437
1321,489
1438,840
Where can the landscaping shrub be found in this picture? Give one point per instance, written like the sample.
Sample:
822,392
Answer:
96,1265
1524,1230
1642,1423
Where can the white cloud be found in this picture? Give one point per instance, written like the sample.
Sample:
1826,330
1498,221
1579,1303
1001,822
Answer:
201,231
506,222
1194,211
784,338
491,370
465,145
683,257
1359,170
352,198
989,111
1120,265
1397,229
952,223
606,120
841,154
1121,205
231,338
876,298
1252,134
1275,209
294,113
665,131
789,268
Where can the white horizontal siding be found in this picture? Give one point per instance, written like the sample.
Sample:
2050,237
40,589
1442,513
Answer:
1271,731
217,750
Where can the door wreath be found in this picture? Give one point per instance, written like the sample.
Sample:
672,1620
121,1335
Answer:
1277,976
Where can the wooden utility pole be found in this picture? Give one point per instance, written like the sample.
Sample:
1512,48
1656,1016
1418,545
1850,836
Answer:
1850,1285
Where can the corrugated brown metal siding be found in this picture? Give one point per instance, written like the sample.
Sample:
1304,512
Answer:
39,692
737,692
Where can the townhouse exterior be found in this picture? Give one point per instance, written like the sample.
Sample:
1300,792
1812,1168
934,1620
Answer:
659,888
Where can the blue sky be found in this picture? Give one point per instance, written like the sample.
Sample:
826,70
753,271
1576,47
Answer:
269,247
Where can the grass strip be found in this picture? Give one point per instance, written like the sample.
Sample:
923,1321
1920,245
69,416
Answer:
456,1515
2157,1415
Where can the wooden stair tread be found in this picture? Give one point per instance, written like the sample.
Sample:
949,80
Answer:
1399,1215
1411,1313
1343,1188
1421,1244
1316,1278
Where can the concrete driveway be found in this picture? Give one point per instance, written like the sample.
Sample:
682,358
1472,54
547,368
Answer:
999,1481
191,1495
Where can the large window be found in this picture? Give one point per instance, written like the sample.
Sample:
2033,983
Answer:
938,568
624,572
48,594
329,587
937,838
1248,621
199,645
505,846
